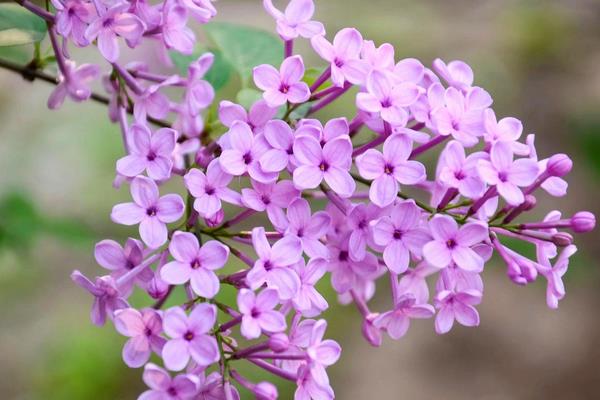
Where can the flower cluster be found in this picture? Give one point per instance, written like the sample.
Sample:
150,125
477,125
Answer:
355,213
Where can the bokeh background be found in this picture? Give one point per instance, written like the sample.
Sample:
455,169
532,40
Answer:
539,59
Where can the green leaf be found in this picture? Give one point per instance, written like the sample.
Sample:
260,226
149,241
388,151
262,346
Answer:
245,47
19,26
218,75
247,97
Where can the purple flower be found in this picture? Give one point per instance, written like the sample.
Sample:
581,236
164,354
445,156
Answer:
195,264
308,228
414,281
149,152
460,172
457,305
143,328
387,99
296,21
120,260
273,264
390,168
401,235
321,353
556,288
199,93
397,321
333,129
347,274
73,82
359,221
331,162
343,55
202,10
189,337
457,73
280,138
508,175
210,189
308,300
507,129
163,387
284,85
175,32
258,313
260,113
245,153
272,198
113,23
451,244
150,211
72,19
211,388
152,102
107,297
309,389
378,58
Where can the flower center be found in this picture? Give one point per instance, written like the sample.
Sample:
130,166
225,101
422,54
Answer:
195,264
151,156
108,23
459,175
503,176
398,234
247,158
268,266
388,169
323,166
209,190
451,243
148,332
151,212
172,391
189,336
255,313
265,199
284,88
386,103
338,63
343,256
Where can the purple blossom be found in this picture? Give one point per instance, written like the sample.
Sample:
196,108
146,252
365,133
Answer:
397,321
347,274
111,24
195,264
456,305
296,20
452,244
457,73
308,228
120,260
189,337
210,189
280,138
330,163
201,10
272,198
175,32
148,152
153,102
260,113
553,273
74,82
389,168
359,221
401,235
72,19
284,85
343,55
149,210
258,313
163,387
199,93
321,353
460,172
107,297
308,300
143,328
507,175
245,153
273,264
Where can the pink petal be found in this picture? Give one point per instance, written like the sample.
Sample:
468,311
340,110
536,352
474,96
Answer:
443,227
175,273
437,254
307,177
347,43
108,45
285,281
203,318
175,354
136,351
384,190
444,320
266,77
213,255
410,173
298,93
299,11
338,152
144,191
292,69
204,283
523,172
286,251
169,208
128,322
109,254
511,193
396,256
131,165
465,314
160,168
127,214
204,350
339,181
370,164
153,232
467,259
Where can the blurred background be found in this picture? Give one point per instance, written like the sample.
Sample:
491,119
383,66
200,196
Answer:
539,59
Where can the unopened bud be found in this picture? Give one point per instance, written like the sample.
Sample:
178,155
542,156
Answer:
265,391
583,221
215,220
562,239
370,332
279,342
559,165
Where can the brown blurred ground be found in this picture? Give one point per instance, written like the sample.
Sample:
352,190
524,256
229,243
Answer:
540,61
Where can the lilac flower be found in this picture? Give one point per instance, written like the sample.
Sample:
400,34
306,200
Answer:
189,337
309,228
199,93
308,300
506,130
72,19
390,168
414,281
280,138
309,388
508,175
210,189
556,288
457,305
397,321
334,128
296,20
332,163
284,85
211,388
401,235
195,264
175,32
260,113
272,198
149,152
273,264
359,221
107,297
113,23
378,58
457,73
321,353
343,55
245,153
120,260
73,82
163,387
152,102
143,328
460,172
201,10
453,244
258,313
387,99
149,210
347,274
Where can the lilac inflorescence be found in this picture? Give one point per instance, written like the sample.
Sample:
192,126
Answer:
375,227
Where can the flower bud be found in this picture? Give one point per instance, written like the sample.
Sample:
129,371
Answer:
583,221
265,391
514,274
559,165
562,239
215,220
370,332
529,203
279,342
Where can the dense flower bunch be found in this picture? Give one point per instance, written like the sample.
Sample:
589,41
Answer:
387,216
